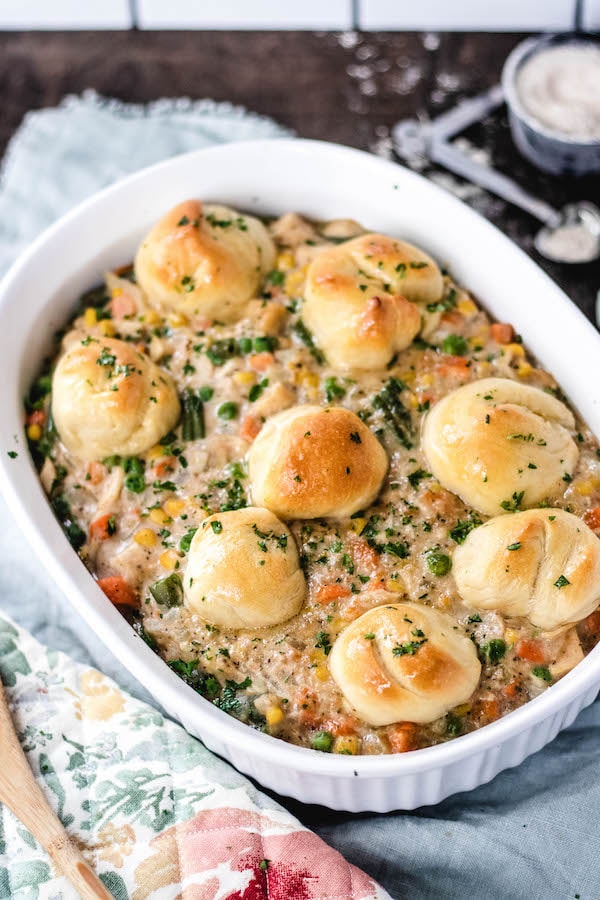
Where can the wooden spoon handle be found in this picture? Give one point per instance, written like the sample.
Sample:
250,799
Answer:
21,793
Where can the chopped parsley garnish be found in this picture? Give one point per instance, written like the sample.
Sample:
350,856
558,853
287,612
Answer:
216,526
561,582
455,345
186,540
276,277
417,476
395,413
228,701
12,454
463,527
515,546
355,437
409,648
333,390
514,503
324,642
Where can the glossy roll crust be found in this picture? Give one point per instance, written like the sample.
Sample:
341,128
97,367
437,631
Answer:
542,563
243,571
404,662
204,260
500,445
361,296
109,398
309,462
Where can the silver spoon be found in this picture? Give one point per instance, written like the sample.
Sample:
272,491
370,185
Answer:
569,235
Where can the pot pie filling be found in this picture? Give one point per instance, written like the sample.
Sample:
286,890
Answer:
340,502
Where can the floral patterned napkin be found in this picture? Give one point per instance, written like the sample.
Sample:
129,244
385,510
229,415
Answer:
155,813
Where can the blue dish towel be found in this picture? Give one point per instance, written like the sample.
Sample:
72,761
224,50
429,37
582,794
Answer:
534,832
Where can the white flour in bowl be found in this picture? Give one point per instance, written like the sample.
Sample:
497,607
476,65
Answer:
560,88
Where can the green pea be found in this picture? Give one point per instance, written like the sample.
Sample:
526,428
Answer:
227,411
323,740
494,650
438,563
245,344
135,483
455,344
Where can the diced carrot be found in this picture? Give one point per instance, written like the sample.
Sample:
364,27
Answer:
453,318
330,592
123,305
118,591
261,361
591,517
502,332
402,737
100,529
36,417
341,725
532,651
453,367
96,471
490,709
250,427
164,466
511,690
592,623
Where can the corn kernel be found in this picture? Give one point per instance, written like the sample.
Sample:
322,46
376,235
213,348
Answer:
174,507
107,328
462,710
357,525
151,317
116,292
293,282
346,744
145,537
524,369
285,260
445,601
34,432
90,317
274,715
408,377
169,559
159,516
310,379
394,585
466,307
587,487
244,377
321,673
511,636
426,379
178,320
484,368
413,401
155,452
515,349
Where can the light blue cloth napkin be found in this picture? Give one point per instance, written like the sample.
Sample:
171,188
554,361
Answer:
534,832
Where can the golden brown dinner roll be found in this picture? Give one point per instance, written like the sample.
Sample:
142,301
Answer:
360,299
204,260
309,462
541,563
243,570
109,398
403,662
500,444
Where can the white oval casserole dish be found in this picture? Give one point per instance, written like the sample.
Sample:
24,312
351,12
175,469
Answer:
322,181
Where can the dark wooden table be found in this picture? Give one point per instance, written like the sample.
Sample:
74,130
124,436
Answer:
345,88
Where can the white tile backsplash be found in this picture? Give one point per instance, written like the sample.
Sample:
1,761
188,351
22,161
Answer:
467,15
59,15
245,14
